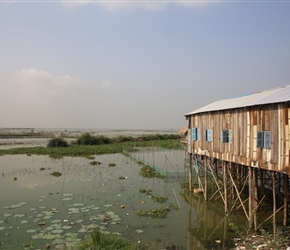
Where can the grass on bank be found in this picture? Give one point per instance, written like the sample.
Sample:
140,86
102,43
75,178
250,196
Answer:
88,150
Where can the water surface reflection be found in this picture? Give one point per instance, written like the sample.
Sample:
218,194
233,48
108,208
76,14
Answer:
38,208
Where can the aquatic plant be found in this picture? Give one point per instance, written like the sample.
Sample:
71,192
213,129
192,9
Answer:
94,163
57,142
160,213
111,164
159,198
148,172
56,174
88,139
99,241
148,192
156,198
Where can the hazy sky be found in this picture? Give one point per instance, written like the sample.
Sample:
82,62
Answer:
135,65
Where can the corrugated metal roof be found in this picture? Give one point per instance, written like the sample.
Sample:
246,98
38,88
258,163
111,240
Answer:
276,95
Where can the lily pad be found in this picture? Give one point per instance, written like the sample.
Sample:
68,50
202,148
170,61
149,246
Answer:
57,231
82,230
19,215
67,199
48,236
37,236
31,231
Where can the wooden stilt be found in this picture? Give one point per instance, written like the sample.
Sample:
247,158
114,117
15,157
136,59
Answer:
274,203
190,172
205,177
233,172
286,193
255,189
225,186
239,197
250,198
217,184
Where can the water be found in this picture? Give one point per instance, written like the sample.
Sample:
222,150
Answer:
81,198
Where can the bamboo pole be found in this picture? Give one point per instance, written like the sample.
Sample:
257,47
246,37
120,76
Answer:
250,198
239,197
216,182
274,203
190,172
225,186
286,193
255,189
206,181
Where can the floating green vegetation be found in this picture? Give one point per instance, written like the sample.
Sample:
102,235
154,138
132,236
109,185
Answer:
15,178
91,157
157,198
148,172
41,169
160,213
175,206
95,163
144,191
102,241
122,178
112,164
56,174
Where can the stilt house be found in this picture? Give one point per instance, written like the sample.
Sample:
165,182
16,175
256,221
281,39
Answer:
250,131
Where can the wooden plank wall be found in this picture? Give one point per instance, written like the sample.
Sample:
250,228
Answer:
244,124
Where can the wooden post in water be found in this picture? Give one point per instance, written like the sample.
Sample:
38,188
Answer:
286,193
225,186
274,203
255,198
205,177
190,172
250,198
233,173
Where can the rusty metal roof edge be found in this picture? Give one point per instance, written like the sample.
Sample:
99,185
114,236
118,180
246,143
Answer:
270,96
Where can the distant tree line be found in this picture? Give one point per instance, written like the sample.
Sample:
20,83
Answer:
88,139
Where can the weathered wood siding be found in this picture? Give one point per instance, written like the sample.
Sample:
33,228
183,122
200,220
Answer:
244,124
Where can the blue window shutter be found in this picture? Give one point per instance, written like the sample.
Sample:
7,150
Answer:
229,136
208,135
225,136
193,134
197,133
267,139
260,139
